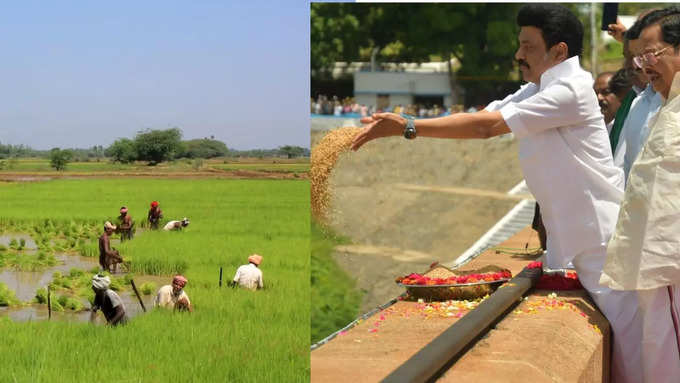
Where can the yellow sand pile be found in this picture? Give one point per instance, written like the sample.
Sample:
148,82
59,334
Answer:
324,157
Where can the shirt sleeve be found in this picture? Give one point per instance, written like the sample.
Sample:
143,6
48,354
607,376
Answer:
237,276
524,92
259,280
554,107
115,299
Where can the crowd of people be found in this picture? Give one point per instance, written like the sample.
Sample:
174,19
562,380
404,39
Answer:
602,158
348,107
171,296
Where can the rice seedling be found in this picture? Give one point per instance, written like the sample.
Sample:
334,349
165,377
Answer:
231,332
7,297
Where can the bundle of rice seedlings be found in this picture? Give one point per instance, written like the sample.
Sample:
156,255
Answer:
324,158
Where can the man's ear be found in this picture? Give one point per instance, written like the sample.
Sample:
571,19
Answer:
561,51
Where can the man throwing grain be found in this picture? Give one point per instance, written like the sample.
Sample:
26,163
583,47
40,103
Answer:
565,156
249,276
109,258
173,296
108,301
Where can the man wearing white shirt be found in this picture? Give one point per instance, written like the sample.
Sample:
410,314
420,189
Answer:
565,154
642,255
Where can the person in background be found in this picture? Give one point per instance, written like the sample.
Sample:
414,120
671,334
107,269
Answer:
644,107
249,276
155,215
125,224
108,256
173,296
612,90
176,225
107,301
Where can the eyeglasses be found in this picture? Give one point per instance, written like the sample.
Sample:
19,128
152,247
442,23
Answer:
649,58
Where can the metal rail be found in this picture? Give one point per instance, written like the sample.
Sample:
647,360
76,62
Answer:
437,356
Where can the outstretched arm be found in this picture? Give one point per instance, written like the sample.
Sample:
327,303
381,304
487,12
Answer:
482,124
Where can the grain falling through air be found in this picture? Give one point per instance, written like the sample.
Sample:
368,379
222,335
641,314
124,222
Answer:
324,157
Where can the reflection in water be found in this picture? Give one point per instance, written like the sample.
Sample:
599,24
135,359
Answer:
26,283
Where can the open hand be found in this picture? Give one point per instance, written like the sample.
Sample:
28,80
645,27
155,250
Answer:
377,126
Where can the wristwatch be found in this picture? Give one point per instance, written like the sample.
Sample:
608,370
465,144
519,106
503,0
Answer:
410,129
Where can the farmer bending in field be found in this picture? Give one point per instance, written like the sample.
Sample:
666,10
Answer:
155,215
249,276
565,155
173,296
176,225
108,301
124,224
108,256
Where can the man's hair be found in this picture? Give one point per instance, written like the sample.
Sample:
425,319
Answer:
557,24
620,83
669,20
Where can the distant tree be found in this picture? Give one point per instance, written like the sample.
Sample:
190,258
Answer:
60,158
122,150
156,146
204,148
292,151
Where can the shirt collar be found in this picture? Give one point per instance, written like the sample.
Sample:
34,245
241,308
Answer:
566,68
675,87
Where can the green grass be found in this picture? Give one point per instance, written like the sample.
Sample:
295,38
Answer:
264,167
277,165
233,335
335,300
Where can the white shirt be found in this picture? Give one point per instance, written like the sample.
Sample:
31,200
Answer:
566,159
171,225
249,276
166,298
636,127
643,252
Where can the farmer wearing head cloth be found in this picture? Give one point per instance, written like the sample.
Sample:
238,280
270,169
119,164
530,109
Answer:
107,301
249,276
155,215
565,155
125,224
173,296
109,258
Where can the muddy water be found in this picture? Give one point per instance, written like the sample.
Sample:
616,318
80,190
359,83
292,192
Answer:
7,237
25,284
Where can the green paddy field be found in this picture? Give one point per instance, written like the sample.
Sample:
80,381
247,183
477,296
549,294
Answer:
232,336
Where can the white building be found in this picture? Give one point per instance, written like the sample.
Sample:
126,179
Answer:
383,89
400,83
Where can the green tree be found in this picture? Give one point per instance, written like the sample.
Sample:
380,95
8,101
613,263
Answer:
122,150
292,151
60,158
205,148
156,146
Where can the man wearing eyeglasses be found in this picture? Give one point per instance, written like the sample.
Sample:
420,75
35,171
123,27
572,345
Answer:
644,251
565,155
644,106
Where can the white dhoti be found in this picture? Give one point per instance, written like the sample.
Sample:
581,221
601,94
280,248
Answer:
621,310
660,336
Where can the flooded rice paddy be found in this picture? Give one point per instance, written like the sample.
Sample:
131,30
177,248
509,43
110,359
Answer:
25,285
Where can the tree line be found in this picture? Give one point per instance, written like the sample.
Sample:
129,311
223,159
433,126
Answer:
152,146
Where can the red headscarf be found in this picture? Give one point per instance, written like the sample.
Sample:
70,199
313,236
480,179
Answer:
179,281
154,204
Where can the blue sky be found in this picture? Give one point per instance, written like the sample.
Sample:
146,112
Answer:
78,74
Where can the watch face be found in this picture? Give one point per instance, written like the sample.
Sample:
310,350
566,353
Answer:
410,133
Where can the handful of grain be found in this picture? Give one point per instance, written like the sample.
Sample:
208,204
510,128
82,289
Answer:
324,157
